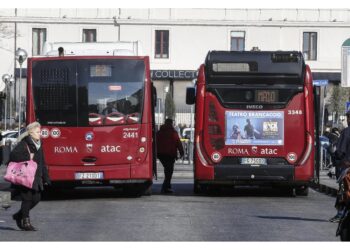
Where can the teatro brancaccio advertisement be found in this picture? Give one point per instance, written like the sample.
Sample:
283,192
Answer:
254,128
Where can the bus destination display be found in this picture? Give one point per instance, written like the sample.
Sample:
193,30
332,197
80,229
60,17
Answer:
266,96
100,71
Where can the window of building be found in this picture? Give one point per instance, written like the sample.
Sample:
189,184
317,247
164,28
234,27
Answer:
237,40
39,38
310,45
89,35
162,44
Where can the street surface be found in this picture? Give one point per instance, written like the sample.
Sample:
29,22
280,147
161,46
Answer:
242,214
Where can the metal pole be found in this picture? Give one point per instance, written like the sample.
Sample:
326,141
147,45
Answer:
5,105
20,102
159,105
10,123
323,108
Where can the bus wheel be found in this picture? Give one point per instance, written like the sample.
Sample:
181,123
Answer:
132,190
147,189
302,191
197,188
289,191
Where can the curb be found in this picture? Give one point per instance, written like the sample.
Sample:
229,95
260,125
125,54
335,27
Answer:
324,189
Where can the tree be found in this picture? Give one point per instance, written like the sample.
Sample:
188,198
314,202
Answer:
338,99
169,106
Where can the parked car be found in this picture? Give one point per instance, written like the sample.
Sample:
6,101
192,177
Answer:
188,133
10,135
324,141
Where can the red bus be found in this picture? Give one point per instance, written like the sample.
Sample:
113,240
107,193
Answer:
254,120
97,115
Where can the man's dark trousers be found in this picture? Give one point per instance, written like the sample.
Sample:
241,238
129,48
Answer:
168,164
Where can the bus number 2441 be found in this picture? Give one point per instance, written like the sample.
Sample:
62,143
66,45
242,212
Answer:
130,135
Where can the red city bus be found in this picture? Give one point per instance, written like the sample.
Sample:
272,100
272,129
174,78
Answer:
254,120
97,116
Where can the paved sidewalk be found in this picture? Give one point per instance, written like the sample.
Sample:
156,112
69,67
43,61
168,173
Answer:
326,184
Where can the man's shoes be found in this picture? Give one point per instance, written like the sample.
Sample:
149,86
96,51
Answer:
167,191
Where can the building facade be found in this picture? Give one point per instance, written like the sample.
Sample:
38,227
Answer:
177,40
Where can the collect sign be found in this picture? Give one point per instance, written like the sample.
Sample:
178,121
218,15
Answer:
320,82
173,74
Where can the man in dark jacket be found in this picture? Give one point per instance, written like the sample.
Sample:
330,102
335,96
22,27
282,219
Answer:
30,147
168,143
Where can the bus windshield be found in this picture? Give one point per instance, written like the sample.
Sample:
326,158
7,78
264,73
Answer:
89,92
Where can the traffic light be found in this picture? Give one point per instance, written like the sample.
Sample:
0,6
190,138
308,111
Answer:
2,95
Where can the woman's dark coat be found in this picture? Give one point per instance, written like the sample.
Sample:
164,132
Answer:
20,153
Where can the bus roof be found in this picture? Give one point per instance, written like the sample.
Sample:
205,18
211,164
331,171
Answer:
93,49
247,66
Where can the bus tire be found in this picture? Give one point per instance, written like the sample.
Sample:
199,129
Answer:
302,191
147,189
197,188
289,191
132,190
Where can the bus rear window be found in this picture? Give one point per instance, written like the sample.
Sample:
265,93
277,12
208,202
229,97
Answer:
88,92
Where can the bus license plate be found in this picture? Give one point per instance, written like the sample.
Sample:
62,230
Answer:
254,161
89,176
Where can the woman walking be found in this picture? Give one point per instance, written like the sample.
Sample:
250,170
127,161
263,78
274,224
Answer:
30,147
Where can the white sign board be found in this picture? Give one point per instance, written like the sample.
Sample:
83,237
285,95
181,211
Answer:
345,66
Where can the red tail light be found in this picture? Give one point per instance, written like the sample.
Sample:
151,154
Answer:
214,130
212,113
217,140
217,143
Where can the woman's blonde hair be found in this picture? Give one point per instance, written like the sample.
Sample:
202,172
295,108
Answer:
30,127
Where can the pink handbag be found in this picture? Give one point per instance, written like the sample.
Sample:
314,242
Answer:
21,173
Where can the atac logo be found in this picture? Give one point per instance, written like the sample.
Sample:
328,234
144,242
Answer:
89,136
254,149
89,148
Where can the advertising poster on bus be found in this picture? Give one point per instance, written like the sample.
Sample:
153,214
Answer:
254,128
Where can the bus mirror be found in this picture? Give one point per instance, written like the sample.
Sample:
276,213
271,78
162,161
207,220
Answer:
190,95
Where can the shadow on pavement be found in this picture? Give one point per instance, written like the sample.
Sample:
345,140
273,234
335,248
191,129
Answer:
184,189
290,218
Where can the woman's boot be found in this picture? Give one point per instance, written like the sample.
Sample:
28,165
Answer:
18,218
27,226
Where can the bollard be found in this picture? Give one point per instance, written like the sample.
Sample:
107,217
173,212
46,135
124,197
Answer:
5,199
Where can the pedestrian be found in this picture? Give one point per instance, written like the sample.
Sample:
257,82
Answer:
29,146
342,162
332,148
168,143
